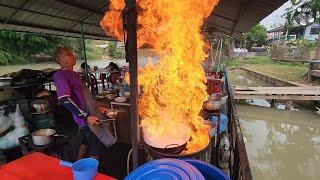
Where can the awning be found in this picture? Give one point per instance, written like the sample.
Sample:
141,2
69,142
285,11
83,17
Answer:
64,17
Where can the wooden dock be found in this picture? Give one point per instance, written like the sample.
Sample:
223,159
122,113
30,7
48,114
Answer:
307,93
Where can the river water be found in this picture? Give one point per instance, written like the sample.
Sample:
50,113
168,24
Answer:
281,144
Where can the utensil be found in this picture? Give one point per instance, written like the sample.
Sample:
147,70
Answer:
84,169
112,113
106,120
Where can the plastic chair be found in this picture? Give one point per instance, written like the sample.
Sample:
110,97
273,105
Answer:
93,84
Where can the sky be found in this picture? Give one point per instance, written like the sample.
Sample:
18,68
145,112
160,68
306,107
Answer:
275,17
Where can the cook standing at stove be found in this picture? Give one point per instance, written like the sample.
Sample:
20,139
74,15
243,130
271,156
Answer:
76,97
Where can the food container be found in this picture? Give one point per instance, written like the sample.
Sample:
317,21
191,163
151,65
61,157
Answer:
43,137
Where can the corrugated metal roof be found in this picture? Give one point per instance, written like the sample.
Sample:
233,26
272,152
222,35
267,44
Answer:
56,17
63,17
238,16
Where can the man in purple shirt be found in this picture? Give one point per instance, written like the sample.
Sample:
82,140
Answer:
70,93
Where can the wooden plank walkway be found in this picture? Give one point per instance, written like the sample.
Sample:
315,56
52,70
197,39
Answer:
306,93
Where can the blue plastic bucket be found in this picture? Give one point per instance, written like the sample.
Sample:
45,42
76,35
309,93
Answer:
207,170
84,169
168,169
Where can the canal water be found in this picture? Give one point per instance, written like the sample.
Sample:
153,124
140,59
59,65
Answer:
281,144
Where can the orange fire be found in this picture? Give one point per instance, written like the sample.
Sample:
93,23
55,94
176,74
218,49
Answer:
173,89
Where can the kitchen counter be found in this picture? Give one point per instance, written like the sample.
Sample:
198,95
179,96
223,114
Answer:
39,166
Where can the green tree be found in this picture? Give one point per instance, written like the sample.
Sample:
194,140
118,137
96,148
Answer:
113,51
112,47
23,44
256,36
93,52
309,9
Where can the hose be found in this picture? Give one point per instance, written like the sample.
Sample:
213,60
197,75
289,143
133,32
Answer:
128,161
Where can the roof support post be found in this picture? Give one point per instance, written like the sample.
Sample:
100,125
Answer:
130,23
84,53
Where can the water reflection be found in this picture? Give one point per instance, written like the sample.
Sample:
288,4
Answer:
281,145
241,78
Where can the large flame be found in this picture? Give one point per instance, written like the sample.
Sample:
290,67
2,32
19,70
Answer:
173,89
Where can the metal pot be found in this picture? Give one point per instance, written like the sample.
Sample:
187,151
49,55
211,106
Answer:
40,106
211,105
43,137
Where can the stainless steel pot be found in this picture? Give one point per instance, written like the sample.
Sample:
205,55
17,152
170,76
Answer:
43,137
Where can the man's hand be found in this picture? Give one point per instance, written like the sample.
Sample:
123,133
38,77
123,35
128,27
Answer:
102,109
93,120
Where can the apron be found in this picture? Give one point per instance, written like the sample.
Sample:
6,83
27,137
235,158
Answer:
101,130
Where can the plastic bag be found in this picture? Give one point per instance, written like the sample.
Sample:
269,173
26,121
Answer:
17,117
223,122
10,140
5,123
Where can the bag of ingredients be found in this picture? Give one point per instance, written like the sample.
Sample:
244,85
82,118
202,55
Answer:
10,140
5,122
17,117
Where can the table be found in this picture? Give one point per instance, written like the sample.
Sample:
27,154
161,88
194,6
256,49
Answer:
37,166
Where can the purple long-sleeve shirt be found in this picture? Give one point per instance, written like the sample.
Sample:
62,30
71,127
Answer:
68,84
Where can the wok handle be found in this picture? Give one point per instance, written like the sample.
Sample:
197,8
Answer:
65,163
168,146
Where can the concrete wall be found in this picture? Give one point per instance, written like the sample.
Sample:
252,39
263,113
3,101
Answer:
249,54
272,80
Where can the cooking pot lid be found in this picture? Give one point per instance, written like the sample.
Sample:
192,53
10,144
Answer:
169,169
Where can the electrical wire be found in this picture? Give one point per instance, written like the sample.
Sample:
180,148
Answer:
128,161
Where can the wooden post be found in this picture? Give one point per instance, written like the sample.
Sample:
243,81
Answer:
274,103
131,57
289,105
